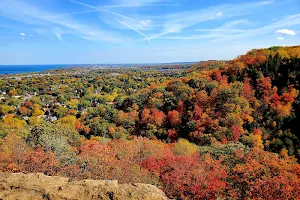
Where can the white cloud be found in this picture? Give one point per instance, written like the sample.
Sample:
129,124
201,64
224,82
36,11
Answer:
234,23
228,27
288,21
31,14
137,3
58,36
266,2
146,22
280,38
101,10
220,14
176,22
22,34
22,38
139,32
58,32
286,32
131,24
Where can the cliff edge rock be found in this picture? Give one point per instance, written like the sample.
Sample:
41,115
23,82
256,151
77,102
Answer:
20,186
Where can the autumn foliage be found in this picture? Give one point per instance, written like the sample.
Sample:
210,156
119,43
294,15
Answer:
212,130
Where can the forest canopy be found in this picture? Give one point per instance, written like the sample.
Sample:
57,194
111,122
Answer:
215,129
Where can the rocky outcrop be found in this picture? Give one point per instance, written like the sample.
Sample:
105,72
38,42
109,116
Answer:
20,186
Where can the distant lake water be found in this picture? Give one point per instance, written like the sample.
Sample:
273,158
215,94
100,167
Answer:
19,69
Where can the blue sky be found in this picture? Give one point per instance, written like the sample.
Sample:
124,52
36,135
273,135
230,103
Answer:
142,31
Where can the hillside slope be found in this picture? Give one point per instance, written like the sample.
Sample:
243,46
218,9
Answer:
213,130
38,186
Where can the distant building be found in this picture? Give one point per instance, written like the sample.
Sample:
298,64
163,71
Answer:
49,118
25,118
114,74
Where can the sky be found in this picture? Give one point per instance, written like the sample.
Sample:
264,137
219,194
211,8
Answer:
142,31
